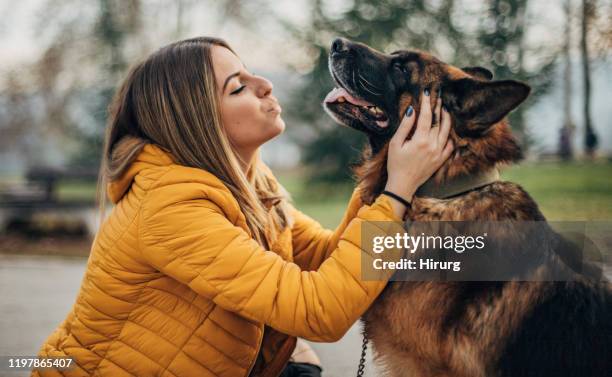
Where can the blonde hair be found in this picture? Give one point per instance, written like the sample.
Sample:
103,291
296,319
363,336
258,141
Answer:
170,99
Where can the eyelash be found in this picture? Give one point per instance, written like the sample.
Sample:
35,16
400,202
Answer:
238,90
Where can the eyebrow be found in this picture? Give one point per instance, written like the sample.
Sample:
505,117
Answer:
228,79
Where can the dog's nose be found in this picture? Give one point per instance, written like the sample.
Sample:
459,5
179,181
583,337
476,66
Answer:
339,45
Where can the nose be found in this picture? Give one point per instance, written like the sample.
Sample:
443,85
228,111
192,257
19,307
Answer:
265,88
339,45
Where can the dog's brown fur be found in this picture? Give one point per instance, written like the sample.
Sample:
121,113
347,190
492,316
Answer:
476,328
470,156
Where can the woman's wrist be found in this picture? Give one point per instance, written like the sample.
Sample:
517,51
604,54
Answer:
398,208
406,192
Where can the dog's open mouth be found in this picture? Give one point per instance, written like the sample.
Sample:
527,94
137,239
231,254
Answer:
344,104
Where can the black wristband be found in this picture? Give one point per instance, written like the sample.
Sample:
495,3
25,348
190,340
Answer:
398,198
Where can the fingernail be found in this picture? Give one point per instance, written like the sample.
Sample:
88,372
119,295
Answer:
409,111
426,92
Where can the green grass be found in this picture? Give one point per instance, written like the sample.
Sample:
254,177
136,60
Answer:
76,191
572,191
325,204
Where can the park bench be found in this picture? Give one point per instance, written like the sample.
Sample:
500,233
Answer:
21,203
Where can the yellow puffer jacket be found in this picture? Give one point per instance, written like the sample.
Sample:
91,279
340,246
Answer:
175,285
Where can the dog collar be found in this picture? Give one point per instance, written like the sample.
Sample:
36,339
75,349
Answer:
457,185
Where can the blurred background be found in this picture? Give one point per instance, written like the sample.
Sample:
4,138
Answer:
61,61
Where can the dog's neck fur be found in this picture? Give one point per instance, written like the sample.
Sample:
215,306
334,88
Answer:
472,164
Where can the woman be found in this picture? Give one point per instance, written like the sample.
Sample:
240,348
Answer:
204,268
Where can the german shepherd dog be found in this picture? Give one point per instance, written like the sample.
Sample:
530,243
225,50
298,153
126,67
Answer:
468,328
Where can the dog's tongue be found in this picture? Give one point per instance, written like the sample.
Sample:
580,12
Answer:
341,92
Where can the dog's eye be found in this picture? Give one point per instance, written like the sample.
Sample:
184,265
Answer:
400,67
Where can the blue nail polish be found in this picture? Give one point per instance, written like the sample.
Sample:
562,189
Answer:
426,91
409,111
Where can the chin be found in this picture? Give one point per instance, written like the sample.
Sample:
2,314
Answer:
279,126
273,130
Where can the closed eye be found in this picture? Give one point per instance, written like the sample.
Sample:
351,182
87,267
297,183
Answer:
238,90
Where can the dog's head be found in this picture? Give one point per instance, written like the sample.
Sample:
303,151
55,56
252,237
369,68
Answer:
375,89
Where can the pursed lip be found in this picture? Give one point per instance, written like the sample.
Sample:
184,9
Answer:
274,107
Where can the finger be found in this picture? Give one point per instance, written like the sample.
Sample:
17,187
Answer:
437,111
444,127
434,131
424,122
448,149
405,126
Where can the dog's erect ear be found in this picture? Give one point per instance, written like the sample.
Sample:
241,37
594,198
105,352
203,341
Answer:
479,72
479,104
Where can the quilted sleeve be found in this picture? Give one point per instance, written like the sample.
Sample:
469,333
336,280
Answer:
193,242
312,243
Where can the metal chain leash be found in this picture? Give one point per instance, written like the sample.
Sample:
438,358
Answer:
364,347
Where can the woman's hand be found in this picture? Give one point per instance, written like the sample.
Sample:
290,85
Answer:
411,162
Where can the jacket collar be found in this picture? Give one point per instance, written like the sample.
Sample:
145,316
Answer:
150,156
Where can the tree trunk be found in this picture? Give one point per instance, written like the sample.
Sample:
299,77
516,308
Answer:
567,129
590,138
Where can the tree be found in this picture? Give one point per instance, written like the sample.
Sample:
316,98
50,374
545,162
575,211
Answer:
566,131
16,119
590,138
503,46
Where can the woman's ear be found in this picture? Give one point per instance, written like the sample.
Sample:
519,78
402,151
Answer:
478,104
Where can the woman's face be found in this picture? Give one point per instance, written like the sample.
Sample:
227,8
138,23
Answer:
249,111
